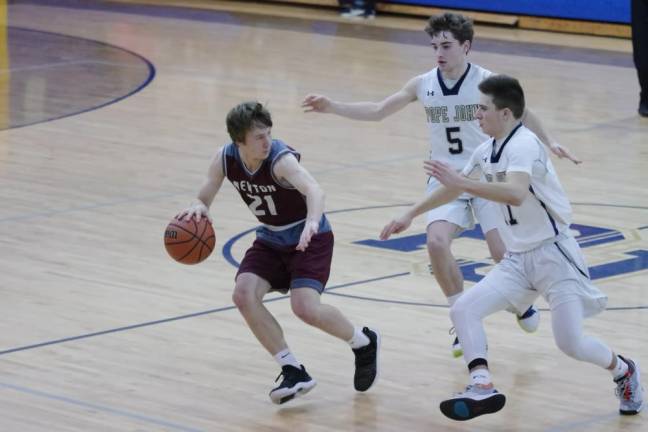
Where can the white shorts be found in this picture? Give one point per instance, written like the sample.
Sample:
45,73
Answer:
486,213
463,211
552,270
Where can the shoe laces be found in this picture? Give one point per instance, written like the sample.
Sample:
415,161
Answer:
279,376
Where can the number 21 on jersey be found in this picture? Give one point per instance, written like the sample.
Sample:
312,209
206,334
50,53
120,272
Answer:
256,206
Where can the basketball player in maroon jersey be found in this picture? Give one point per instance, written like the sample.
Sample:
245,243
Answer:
293,247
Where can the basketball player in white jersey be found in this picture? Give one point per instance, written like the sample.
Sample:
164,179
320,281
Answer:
450,97
542,258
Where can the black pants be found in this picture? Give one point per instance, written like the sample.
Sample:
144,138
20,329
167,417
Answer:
640,44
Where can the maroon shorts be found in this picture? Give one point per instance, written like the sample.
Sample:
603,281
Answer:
287,268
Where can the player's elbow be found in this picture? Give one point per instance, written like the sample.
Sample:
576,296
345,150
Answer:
378,112
515,202
316,192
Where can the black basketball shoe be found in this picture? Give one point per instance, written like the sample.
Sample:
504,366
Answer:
366,361
295,382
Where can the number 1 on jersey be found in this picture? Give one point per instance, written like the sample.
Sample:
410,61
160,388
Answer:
456,146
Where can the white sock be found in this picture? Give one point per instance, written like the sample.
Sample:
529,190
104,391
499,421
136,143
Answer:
453,298
480,376
620,369
285,358
359,339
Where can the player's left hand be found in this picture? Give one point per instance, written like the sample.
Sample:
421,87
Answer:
310,229
396,226
444,173
563,152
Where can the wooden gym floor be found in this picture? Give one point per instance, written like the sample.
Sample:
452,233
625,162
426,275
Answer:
110,114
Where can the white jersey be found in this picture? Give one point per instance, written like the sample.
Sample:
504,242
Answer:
450,114
545,212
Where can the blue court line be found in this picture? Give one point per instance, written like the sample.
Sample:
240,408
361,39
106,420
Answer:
368,208
610,205
139,88
101,408
445,306
400,302
177,318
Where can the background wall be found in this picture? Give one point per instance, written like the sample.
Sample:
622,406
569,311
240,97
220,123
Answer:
616,11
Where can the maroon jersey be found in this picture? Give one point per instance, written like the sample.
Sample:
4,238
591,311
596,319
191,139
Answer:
270,201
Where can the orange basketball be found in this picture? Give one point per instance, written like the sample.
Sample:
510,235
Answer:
189,242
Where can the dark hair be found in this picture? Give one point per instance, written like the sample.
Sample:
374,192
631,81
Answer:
460,26
506,92
246,116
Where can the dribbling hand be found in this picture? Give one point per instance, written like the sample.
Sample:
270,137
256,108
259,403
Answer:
197,211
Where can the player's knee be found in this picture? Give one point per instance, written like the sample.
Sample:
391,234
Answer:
309,313
437,244
459,311
571,348
244,296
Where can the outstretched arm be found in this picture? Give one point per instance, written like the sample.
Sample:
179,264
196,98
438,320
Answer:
531,121
440,196
289,169
210,187
369,111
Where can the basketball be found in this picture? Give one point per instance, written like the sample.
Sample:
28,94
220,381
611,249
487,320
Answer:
189,242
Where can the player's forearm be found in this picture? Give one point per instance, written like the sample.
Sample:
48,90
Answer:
367,111
533,123
208,191
314,203
507,193
440,196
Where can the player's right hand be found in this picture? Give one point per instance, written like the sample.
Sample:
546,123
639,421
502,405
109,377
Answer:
197,210
563,152
310,229
396,226
316,103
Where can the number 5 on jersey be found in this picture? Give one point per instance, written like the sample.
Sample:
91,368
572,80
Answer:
456,146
